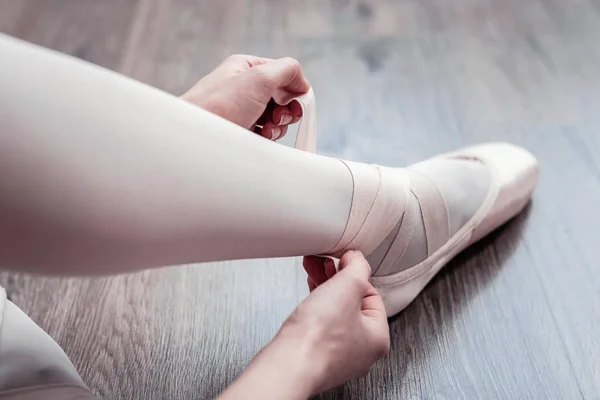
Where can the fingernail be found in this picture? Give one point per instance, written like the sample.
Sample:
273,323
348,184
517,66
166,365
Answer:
329,268
285,119
329,263
275,133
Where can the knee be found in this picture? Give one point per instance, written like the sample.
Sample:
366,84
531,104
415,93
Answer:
29,356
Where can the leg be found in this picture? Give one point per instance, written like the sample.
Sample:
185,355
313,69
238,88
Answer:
100,174
100,171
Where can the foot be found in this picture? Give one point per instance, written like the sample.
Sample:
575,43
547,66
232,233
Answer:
410,222
455,200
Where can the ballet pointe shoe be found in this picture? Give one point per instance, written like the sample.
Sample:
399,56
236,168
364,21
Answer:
403,206
513,177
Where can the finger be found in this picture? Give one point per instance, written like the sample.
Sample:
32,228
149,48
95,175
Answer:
353,276
315,268
372,304
246,60
286,74
282,115
354,263
296,110
311,284
286,115
284,130
272,132
329,268
267,114
351,281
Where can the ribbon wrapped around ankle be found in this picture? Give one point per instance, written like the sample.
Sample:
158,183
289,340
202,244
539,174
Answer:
380,195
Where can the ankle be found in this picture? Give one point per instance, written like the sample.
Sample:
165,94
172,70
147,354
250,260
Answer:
378,200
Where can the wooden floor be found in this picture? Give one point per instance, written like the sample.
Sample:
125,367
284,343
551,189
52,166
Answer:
516,317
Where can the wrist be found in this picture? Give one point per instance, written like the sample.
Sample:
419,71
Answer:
294,360
287,368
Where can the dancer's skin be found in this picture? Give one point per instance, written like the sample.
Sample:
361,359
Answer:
335,335
101,174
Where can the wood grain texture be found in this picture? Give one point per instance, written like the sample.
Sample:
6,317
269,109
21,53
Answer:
514,317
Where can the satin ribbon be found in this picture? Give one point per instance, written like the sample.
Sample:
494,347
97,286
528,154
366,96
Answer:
306,138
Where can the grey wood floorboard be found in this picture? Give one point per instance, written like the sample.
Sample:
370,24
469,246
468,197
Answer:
514,317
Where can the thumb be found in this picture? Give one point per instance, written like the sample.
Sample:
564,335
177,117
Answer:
372,305
285,78
353,263
350,284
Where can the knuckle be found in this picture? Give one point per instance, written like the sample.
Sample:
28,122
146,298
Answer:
261,74
292,68
381,345
383,351
237,57
292,63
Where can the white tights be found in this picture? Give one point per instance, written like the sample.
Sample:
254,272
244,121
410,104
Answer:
101,174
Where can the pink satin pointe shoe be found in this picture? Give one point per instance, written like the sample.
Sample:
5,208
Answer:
513,176
412,221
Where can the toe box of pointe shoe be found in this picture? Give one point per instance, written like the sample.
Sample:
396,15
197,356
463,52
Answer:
515,174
